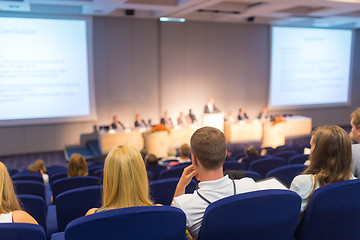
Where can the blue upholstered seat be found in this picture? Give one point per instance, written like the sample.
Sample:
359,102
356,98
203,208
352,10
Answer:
21,231
62,185
266,214
286,173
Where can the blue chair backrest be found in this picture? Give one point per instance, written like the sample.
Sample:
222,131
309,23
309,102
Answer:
156,169
183,165
264,165
174,172
58,175
233,165
162,191
75,203
29,176
94,167
332,213
21,231
238,155
145,223
99,173
254,175
247,160
266,214
285,154
62,185
35,206
55,169
285,148
30,187
298,159
286,173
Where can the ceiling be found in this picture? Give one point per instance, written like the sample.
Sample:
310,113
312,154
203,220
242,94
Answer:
310,13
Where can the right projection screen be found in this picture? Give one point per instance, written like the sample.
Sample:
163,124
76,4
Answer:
309,67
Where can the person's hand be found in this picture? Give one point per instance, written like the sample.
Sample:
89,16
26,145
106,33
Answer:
188,173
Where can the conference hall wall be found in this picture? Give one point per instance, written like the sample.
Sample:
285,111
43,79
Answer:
142,66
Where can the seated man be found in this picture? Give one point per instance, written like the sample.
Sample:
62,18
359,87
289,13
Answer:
208,147
242,115
139,122
116,124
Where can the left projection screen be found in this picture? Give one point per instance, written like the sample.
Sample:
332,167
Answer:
45,71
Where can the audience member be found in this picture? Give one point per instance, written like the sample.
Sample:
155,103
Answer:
330,162
264,114
116,124
192,117
242,116
144,153
208,147
210,107
151,159
355,130
125,181
10,210
166,120
139,123
171,155
184,153
41,165
250,151
77,166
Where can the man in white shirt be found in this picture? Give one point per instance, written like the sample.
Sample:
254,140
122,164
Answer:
208,146
355,124
210,107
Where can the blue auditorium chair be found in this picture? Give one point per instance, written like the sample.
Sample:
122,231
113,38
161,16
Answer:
99,173
247,160
285,154
333,213
162,191
21,231
254,175
30,187
62,185
29,176
55,169
174,172
145,223
264,165
58,175
286,173
266,214
155,169
35,206
298,159
233,165
75,203
285,148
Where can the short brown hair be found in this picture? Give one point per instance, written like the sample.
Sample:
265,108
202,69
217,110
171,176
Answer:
151,159
355,116
77,166
185,150
208,144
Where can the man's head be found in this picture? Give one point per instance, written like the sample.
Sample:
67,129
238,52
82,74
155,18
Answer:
115,119
211,100
355,124
208,145
185,151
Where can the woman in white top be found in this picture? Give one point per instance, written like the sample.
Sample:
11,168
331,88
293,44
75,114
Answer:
10,210
330,162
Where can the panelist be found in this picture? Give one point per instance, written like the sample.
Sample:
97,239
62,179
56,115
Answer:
242,116
264,114
166,120
139,123
210,107
183,120
116,124
230,118
192,117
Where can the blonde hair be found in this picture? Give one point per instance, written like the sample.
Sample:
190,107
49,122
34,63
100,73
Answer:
331,156
77,166
41,165
125,182
33,168
8,200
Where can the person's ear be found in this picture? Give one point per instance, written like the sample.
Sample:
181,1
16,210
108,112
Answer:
194,160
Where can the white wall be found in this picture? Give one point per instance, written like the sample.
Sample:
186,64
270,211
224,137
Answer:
142,66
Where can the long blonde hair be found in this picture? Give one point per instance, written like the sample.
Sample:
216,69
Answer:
331,156
8,201
77,166
125,179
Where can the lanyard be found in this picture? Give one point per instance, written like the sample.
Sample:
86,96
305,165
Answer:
205,199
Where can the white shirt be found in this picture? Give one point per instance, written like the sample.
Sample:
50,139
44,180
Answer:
6,217
356,159
194,206
210,107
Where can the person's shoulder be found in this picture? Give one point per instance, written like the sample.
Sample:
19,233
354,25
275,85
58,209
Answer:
183,200
20,216
91,211
301,181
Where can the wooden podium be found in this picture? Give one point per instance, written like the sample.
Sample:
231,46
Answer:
243,132
215,120
157,143
108,140
274,134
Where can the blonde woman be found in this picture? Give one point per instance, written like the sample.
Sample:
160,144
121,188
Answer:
125,181
10,210
330,162
42,169
77,166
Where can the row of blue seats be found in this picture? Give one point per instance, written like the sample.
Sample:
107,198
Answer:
333,212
